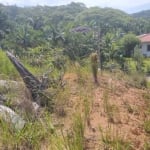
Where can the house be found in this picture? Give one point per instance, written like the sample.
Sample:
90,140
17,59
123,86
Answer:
145,44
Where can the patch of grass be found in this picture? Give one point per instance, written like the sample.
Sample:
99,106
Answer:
61,100
7,68
147,146
146,96
30,137
112,139
147,126
82,74
108,108
87,108
75,141
146,65
137,80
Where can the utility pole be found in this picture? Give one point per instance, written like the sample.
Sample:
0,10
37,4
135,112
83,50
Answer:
99,48
97,37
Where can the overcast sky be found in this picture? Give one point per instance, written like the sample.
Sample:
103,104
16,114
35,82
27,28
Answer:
120,4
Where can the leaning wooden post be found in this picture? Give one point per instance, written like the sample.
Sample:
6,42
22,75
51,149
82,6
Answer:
94,66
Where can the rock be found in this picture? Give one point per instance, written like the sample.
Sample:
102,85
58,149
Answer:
2,99
10,85
10,116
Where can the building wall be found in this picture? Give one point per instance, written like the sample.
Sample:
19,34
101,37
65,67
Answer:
144,49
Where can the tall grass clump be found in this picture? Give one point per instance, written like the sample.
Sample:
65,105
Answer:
81,69
108,108
137,80
112,140
75,141
147,126
147,146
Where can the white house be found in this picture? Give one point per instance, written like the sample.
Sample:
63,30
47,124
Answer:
145,44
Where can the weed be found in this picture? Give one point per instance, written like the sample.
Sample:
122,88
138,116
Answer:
112,139
147,126
61,100
146,96
30,137
137,80
108,108
7,69
86,108
81,75
147,146
76,139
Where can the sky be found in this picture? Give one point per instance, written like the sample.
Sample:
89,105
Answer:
125,5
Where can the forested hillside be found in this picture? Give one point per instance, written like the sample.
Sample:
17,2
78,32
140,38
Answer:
143,14
23,28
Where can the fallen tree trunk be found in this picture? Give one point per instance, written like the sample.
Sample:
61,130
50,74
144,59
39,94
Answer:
32,83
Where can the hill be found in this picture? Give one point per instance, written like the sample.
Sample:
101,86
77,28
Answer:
111,115
142,14
29,27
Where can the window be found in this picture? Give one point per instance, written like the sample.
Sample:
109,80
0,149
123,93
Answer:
148,48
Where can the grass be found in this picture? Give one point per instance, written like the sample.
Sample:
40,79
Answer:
69,140
132,64
146,65
108,108
42,135
61,100
136,79
77,139
8,71
147,146
30,137
147,126
146,97
112,139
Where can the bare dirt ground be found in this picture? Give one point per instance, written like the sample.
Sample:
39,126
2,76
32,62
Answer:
117,109
127,118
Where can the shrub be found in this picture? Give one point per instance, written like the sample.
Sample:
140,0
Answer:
6,67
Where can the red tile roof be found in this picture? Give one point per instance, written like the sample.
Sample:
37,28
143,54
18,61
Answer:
144,38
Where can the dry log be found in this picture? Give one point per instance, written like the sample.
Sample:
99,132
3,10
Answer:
32,83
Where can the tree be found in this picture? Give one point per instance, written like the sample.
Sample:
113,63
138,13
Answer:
138,57
78,45
108,47
128,43
4,24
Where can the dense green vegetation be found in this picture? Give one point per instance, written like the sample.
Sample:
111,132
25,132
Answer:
74,28
29,27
